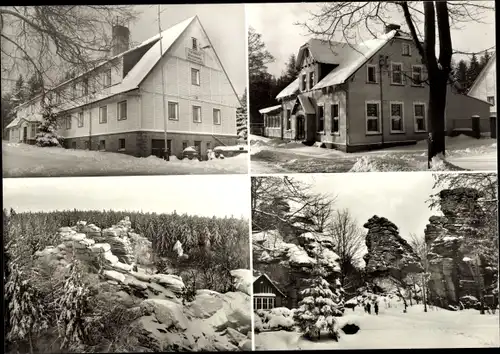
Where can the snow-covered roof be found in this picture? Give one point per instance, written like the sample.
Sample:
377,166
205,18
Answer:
269,109
290,90
306,104
270,281
484,71
264,295
31,118
348,58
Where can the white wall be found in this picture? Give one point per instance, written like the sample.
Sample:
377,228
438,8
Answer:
487,85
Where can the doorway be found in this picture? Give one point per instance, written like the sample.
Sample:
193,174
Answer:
157,147
301,132
25,134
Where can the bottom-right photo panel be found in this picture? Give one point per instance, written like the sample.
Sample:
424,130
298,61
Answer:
375,261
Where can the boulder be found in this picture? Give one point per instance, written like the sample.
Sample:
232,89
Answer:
235,337
166,312
113,275
169,281
245,345
204,305
243,280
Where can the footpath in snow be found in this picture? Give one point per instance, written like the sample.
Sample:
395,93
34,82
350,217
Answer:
391,329
21,160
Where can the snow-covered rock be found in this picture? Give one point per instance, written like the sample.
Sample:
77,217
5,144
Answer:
243,280
167,312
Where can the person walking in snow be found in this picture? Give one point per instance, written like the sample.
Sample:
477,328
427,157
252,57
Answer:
368,308
375,308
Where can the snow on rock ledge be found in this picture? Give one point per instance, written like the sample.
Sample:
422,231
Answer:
243,280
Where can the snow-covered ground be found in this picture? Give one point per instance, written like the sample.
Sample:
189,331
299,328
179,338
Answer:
276,156
21,160
438,328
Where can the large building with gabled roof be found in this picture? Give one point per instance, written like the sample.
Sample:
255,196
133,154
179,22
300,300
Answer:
117,106
356,97
485,85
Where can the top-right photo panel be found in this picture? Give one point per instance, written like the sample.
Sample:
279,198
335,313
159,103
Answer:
372,86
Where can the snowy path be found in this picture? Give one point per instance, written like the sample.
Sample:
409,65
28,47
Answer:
483,162
394,329
20,160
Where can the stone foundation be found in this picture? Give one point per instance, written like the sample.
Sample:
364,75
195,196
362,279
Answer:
140,143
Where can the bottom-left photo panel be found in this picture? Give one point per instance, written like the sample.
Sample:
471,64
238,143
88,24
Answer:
127,264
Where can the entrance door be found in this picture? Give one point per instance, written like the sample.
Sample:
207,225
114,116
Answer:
197,146
25,134
157,147
301,133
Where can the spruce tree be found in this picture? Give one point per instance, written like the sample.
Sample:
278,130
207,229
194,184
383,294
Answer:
322,302
47,133
473,70
19,94
242,117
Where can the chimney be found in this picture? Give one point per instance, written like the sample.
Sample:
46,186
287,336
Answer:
391,27
120,39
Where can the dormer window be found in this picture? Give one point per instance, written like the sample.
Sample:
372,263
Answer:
306,53
107,78
406,49
194,43
304,82
311,79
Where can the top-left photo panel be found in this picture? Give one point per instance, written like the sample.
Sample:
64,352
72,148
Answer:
124,90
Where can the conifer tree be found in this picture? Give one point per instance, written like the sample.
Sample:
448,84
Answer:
47,133
322,302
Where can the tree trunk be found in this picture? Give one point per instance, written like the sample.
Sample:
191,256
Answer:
30,342
436,112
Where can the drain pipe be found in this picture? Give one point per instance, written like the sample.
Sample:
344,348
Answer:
381,65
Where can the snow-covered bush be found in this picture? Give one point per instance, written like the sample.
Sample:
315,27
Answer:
278,318
319,307
469,302
47,133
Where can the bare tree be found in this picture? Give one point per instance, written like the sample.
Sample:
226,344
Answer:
348,239
422,249
345,19
258,55
43,40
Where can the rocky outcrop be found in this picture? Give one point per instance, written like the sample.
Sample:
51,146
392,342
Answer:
389,255
121,262
450,276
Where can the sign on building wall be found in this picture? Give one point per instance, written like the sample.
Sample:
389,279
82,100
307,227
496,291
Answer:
195,56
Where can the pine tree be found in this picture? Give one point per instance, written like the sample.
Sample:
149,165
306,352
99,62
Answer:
72,307
26,313
461,73
242,117
484,60
19,94
47,134
322,302
35,86
473,71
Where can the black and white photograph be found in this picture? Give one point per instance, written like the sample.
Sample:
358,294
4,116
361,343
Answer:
126,264
372,86
412,263
113,90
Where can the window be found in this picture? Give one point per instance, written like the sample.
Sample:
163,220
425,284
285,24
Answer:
195,77
304,82
85,86
197,114
371,73
121,110
406,49
259,303
68,122
209,145
197,146
80,119
397,74
321,119
121,144
73,90
335,118
288,119
372,117
184,145
217,119
107,78
416,75
311,79
397,119
194,42
173,110
58,97
419,116
102,145
491,99
32,130
103,114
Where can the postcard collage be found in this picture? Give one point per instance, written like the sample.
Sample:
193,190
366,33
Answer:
249,177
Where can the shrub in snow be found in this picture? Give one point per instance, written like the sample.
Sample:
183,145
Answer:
470,302
279,318
319,307
47,133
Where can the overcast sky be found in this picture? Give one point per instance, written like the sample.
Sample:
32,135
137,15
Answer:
276,24
224,24
398,196
208,195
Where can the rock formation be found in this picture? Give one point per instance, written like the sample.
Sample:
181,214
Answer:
389,256
451,277
121,261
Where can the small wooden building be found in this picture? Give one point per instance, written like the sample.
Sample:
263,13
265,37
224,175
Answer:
272,121
266,295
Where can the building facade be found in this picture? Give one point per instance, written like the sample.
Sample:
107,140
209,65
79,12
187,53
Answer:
266,294
364,96
485,86
121,106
